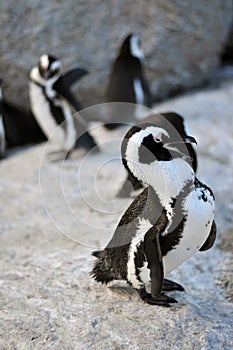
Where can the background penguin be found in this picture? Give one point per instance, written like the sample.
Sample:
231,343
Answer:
21,128
51,102
2,129
173,123
127,83
165,225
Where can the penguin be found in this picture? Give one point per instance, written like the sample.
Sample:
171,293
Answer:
165,225
127,83
2,129
173,123
51,103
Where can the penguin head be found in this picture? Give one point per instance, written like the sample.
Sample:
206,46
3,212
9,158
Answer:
148,144
131,47
49,66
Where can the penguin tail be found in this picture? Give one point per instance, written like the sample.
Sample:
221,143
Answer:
103,270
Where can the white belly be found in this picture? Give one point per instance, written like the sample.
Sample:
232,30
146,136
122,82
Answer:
41,111
140,100
71,133
196,230
2,136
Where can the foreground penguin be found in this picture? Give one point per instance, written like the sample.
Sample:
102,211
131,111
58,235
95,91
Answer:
174,124
2,129
127,83
165,225
51,102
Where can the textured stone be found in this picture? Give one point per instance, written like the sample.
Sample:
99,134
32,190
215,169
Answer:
182,41
48,299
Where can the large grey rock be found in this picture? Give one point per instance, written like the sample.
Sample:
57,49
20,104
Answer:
49,301
182,40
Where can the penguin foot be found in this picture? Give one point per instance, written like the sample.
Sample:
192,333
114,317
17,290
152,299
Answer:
161,300
57,156
170,286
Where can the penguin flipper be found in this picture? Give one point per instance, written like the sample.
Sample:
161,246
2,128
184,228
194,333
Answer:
154,259
155,264
63,89
210,239
73,75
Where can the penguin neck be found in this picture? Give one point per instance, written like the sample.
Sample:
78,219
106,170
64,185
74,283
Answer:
167,178
36,77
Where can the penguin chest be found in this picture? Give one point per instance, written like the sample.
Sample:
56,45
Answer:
2,137
198,208
138,92
71,133
63,134
41,110
139,98
199,212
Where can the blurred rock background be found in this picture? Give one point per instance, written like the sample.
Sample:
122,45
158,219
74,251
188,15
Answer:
183,41
47,298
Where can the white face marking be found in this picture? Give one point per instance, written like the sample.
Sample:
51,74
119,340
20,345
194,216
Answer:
154,130
44,61
48,83
135,48
144,226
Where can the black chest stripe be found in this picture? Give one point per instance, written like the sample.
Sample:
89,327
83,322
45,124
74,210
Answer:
175,231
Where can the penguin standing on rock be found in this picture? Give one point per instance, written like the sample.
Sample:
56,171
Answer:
127,83
165,225
51,102
2,129
174,124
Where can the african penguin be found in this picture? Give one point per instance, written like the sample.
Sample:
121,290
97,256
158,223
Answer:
21,128
174,124
165,225
2,129
52,102
127,83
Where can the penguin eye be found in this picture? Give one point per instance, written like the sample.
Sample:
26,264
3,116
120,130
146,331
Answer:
157,139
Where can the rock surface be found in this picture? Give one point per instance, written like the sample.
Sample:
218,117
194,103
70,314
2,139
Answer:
48,299
182,41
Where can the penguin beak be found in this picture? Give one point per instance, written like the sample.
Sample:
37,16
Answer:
189,139
171,146
186,139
